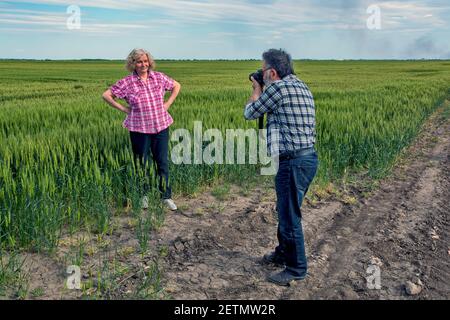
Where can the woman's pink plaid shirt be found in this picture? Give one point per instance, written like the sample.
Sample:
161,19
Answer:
146,101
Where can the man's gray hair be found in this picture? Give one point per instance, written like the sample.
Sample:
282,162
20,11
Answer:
279,60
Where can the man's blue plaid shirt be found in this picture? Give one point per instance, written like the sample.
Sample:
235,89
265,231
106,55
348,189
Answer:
291,123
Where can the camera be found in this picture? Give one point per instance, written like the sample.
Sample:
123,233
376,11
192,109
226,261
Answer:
258,76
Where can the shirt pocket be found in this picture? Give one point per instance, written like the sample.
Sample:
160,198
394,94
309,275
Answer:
304,172
133,96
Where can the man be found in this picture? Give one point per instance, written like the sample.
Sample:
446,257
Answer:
291,132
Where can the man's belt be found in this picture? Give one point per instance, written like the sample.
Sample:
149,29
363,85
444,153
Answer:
297,153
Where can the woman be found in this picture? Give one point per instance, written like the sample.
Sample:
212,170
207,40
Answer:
147,118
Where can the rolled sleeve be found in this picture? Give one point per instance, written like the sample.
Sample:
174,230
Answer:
119,89
168,83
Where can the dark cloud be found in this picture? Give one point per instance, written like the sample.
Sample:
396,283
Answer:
426,47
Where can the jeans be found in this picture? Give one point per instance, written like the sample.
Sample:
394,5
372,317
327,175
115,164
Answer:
291,183
158,144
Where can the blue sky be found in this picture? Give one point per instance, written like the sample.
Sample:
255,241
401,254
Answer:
212,29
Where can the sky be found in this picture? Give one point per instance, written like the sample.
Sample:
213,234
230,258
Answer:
233,29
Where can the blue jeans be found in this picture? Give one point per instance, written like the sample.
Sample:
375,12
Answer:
158,145
291,183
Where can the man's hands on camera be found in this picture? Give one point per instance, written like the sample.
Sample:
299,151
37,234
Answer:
257,90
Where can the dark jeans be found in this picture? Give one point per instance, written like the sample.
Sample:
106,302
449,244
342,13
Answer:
291,183
158,144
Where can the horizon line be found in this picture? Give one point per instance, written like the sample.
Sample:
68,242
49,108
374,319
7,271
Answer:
223,59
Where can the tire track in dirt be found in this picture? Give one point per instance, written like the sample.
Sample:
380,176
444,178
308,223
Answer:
403,227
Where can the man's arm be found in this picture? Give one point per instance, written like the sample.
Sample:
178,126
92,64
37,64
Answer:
262,102
257,91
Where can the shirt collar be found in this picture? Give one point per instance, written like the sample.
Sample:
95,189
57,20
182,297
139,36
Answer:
290,77
150,75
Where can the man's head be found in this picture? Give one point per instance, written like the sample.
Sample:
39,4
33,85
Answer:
277,64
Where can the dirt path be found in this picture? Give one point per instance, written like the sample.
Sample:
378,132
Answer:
403,228
212,249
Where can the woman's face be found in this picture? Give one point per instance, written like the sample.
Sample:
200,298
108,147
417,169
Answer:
142,64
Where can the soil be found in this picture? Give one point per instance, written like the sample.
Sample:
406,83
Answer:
402,228
213,248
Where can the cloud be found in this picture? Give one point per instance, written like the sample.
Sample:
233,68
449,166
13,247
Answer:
39,21
426,47
413,14
310,27
306,15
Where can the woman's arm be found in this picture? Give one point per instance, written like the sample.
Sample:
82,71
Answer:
173,96
110,99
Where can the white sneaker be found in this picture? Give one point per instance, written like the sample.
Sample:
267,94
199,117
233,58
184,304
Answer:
170,204
144,202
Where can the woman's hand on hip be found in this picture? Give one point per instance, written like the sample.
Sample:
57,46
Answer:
167,105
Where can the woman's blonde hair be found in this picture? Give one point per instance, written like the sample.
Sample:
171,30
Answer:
134,55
